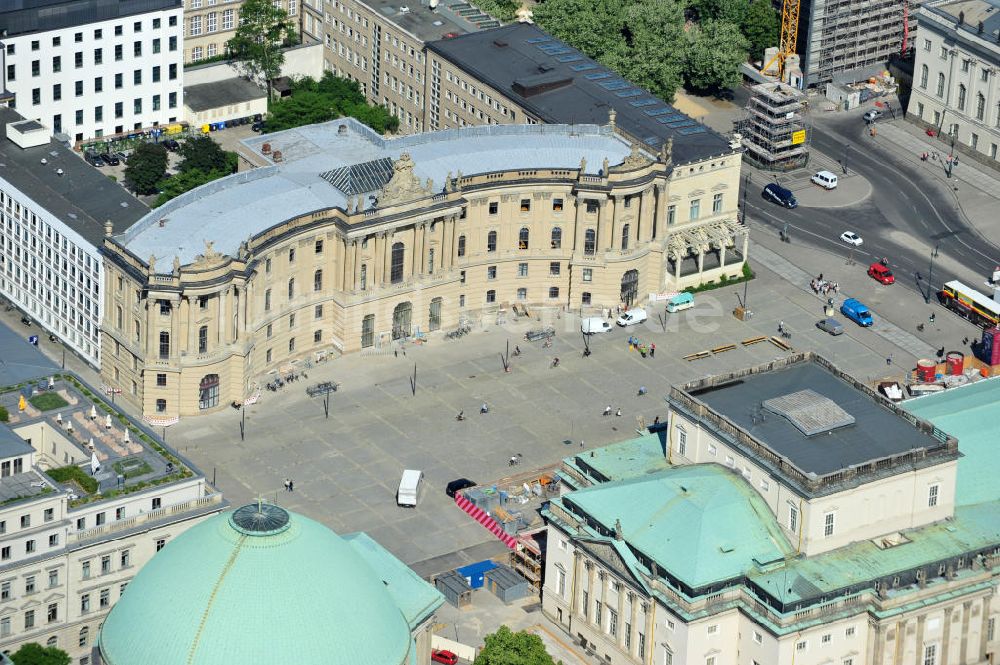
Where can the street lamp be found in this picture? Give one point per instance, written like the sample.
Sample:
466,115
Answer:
930,273
847,146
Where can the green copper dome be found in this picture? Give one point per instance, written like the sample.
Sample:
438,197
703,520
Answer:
258,585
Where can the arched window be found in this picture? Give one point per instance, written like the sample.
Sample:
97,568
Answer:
491,241
396,263
461,246
84,638
364,276
625,230
522,238
980,106
961,97
924,73
318,280
52,641
940,85
203,339
208,391
291,288
164,345
590,242
434,319
556,238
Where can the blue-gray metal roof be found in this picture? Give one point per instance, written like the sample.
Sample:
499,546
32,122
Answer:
558,84
232,209
30,16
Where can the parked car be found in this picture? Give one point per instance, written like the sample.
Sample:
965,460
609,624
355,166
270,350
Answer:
881,273
171,145
777,194
632,317
444,656
457,485
257,126
122,157
851,238
856,311
825,179
831,326
872,115
93,159
110,158
680,302
593,325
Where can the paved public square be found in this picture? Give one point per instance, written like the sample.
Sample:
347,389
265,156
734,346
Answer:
346,468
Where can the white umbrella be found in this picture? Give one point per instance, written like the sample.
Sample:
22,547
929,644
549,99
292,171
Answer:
126,435
69,425
59,417
52,382
107,421
91,443
95,464
93,412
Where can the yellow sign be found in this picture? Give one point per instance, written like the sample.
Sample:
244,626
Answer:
799,137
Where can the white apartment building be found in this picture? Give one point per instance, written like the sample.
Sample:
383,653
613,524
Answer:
956,76
66,555
783,515
54,212
89,69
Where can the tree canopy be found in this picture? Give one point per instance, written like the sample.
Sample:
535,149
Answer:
35,654
256,45
506,647
330,97
660,44
146,167
203,161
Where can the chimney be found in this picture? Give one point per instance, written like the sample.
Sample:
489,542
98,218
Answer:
266,148
108,227
276,156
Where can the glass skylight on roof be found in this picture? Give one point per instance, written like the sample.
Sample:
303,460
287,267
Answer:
660,111
582,67
615,85
625,94
596,76
573,57
639,103
687,131
538,40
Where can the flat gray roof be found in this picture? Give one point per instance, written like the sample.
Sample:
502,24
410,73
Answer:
11,445
558,84
205,96
425,24
232,209
876,432
25,16
82,198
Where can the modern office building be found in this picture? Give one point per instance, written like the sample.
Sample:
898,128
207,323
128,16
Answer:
86,499
54,210
956,77
209,24
262,581
339,240
88,68
785,514
848,41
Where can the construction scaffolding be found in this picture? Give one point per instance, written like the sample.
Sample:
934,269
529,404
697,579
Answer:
773,130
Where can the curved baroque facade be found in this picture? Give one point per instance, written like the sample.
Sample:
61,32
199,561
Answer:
337,239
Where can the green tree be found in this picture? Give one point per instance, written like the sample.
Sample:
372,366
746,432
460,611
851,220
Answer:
505,647
146,167
257,42
654,33
595,27
314,101
731,11
203,153
760,26
714,54
36,654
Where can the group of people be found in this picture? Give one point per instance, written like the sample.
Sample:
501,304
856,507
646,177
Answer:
820,286
607,411
635,344
289,485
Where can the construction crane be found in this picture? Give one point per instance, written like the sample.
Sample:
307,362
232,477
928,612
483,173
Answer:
789,37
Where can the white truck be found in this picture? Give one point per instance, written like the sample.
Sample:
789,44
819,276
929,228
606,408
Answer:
409,488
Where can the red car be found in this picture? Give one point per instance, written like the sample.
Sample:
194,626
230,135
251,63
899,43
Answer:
881,273
442,656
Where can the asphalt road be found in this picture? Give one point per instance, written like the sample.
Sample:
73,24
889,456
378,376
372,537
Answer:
905,204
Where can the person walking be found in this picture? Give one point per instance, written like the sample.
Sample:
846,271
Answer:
618,412
652,350
291,485
888,360
607,410
287,483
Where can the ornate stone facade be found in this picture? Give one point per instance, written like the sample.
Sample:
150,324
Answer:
414,257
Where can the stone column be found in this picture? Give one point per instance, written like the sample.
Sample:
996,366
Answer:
746,244
175,325
633,616
964,642
416,263
620,637
945,636
592,573
984,612
645,215
607,223
701,261
921,619
339,264
660,211
722,254
579,223
386,249
152,331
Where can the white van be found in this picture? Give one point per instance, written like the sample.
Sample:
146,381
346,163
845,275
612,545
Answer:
409,488
825,179
594,325
632,317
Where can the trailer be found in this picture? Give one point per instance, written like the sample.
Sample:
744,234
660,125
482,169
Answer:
969,303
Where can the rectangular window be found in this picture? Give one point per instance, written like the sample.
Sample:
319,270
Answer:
494,207
137,77
557,205
53,578
932,496
52,612
99,84
29,584
828,524
695,210
156,74
85,603
717,204
597,612
125,559
588,274
54,540
554,268
160,544
29,619
78,59
57,64
671,214
78,88
105,598
522,269
525,205
612,622
119,53
793,519
85,570
930,654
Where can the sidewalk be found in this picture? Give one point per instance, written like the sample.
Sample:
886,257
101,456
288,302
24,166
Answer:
975,188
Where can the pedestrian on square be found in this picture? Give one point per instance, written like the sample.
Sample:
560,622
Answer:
652,350
888,360
291,485
618,412
286,484
607,410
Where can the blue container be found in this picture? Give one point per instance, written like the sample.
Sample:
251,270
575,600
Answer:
474,573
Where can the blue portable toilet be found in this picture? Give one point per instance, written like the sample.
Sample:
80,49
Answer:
475,573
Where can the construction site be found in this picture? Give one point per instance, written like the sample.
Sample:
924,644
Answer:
773,129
